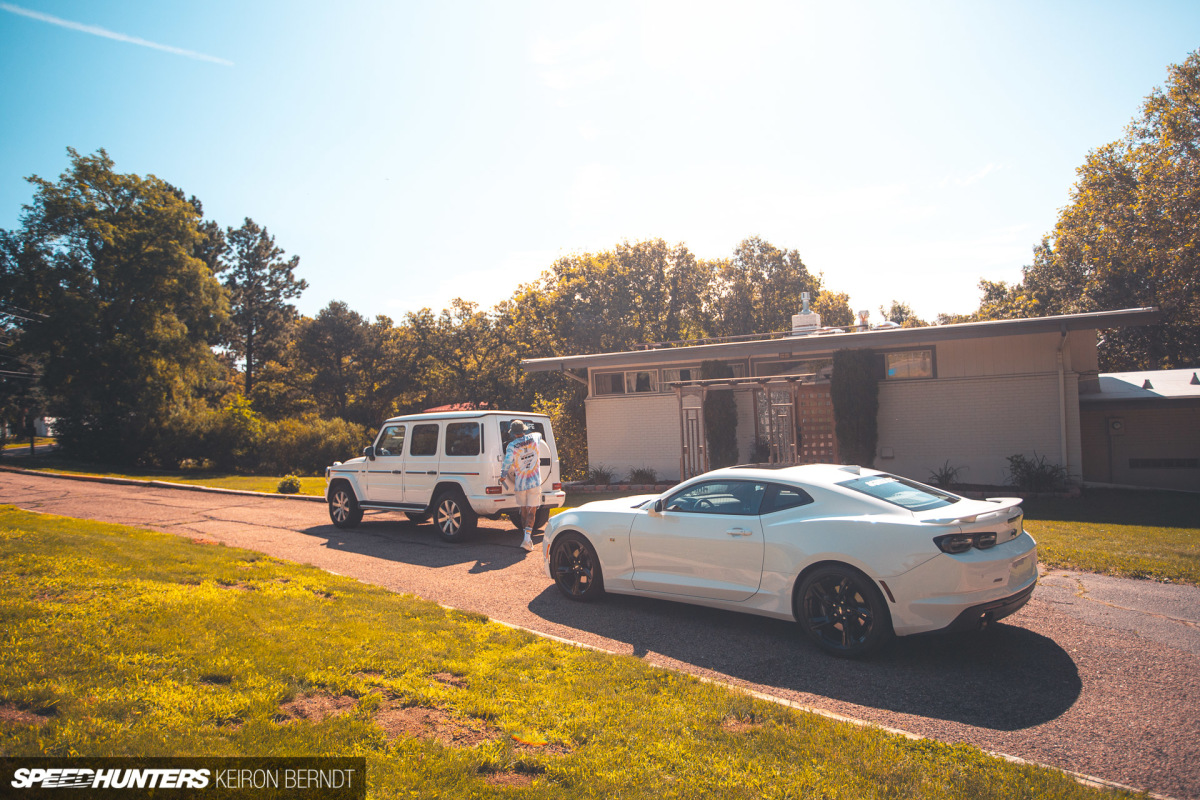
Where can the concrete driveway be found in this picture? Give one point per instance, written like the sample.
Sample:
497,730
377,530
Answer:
1097,676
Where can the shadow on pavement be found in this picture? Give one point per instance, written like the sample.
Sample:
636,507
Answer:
392,537
1005,678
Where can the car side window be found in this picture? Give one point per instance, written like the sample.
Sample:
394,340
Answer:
780,497
719,497
462,439
391,441
424,440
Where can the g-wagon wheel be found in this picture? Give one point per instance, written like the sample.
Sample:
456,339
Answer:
453,517
344,510
843,612
576,568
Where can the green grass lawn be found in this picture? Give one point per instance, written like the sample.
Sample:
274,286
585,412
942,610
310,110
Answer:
1128,533
123,642
23,444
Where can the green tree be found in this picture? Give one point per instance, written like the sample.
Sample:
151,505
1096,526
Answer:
1129,237
131,312
757,291
903,315
834,308
259,282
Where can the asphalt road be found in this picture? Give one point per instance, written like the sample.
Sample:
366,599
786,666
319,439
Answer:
1097,676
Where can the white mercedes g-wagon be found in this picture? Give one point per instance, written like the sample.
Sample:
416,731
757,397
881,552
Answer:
444,465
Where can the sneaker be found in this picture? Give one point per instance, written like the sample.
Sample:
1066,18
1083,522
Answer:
527,545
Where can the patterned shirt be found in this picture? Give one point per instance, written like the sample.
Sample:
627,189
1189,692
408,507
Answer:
523,459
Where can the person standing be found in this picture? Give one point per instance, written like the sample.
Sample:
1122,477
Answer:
522,465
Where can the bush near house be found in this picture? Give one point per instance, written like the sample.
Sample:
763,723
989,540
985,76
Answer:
720,417
854,389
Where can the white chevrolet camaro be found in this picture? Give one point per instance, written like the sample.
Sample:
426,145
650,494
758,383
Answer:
852,554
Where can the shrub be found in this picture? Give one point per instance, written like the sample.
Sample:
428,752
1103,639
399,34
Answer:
720,417
945,475
760,451
289,485
600,475
854,390
1036,474
307,445
643,475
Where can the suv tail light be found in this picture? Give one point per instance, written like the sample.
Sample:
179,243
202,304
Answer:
556,487
959,543
493,490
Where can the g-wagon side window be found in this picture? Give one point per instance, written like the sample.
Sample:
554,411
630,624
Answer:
391,441
424,440
462,439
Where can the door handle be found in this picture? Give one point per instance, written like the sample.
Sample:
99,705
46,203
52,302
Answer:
739,532
432,472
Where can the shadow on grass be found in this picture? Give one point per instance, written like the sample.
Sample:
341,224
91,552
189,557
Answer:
1151,509
1006,678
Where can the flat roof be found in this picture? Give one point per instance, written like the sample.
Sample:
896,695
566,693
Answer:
793,346
1158,384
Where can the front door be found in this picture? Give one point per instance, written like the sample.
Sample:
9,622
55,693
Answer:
421,464
707,542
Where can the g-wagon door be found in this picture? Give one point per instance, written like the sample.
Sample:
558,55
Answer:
421,465
385,473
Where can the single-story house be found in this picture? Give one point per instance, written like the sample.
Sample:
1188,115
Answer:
965,396
1143,429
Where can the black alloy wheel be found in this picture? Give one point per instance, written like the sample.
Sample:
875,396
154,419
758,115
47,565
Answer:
344,510
453,517
843,612
576,568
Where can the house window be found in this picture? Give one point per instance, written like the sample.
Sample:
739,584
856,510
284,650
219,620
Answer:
677,374
642,381
908,364
630,382
610,383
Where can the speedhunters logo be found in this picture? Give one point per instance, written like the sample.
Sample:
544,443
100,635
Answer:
180,778
79,778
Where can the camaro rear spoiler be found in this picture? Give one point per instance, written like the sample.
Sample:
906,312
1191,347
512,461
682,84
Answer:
1007,505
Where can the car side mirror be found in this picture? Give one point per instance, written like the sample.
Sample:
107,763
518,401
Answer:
369,452
658,505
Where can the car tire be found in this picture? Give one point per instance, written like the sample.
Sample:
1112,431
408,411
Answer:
843,612
576,568
539,519
452,516
344,510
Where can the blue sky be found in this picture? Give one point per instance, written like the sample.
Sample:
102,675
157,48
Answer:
411,153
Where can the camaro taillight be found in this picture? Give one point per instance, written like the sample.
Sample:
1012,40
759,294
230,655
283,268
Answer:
958,543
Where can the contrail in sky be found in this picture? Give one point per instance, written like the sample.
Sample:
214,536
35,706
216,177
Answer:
96,30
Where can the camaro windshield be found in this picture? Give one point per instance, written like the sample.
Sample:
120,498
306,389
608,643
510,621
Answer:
901,492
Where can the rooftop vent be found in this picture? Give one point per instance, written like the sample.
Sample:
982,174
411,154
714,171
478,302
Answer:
807,321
